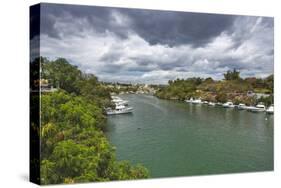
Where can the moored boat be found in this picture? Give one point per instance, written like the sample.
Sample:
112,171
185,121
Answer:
123,102
189,100
116,100
241,106
270,109
228,105
121,106
259,108
119,109
211,104
197,101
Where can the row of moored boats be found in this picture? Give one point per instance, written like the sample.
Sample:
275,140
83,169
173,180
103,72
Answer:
258,108
120,106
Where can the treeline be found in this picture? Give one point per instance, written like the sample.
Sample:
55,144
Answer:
233,88
118,88
73,144
61,74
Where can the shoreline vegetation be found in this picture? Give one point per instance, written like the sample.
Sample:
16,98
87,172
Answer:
74,147
249,91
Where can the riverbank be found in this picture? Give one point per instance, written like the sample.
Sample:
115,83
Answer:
249,91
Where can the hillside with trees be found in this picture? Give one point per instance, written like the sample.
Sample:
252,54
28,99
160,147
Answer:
233,88
74,147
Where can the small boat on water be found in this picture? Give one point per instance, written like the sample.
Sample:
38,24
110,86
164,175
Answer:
121,106
197,101
228,105
189,100
270,109
249,108
119,109
115,97
219,104
205,102
259,108
117,100
241,106
211,104
123,102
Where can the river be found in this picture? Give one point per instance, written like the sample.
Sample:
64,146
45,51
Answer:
179,139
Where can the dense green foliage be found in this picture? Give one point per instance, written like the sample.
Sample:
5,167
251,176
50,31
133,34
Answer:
61,74
179,89
232,75
262,85
231,88
73,145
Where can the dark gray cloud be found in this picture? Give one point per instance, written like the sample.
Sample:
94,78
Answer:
156,27
98,17
133,45
174,28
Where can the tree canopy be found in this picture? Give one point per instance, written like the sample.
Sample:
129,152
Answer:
74,147
232,75
61,74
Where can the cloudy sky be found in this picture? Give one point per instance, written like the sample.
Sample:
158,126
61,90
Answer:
148,46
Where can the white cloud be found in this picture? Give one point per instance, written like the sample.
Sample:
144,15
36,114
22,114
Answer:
248,47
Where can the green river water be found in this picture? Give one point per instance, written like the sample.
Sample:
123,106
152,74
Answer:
179,139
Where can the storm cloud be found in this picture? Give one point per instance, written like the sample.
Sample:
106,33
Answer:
150,46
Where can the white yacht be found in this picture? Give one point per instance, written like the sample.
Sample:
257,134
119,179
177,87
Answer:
259,108
121,106
205,102
189,100
122,102
197,101
219,103
114,97
211,104
249,108
270,110
241,106
119,109
116,100
228,105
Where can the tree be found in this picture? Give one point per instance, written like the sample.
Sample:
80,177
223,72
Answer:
232,75
209,80
269,81
221,97
61,74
